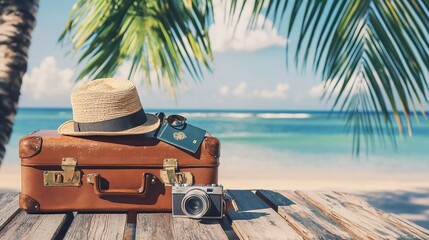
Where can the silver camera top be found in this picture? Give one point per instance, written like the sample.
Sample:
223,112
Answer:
208,188
188,185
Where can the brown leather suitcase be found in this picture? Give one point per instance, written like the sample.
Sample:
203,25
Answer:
127,173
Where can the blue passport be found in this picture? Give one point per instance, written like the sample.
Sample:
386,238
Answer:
186,136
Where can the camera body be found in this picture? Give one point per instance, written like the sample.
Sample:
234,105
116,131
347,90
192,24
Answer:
198,201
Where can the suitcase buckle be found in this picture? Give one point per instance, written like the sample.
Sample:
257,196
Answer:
169,176
69,177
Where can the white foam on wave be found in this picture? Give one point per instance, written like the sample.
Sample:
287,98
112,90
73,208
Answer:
245,115
63,113
217,115
283,115
196,115
236,115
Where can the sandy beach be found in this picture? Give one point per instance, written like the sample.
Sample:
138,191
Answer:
10,177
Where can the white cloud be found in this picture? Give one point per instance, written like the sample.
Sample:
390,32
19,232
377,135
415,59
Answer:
317,91
224,90
48,84
278,92
333,86
47,80
240,89
223,37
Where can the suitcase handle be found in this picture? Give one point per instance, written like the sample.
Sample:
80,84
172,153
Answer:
147,180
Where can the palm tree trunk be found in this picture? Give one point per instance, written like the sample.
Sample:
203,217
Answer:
17,20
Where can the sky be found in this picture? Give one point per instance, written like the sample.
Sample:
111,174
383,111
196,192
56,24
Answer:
249,70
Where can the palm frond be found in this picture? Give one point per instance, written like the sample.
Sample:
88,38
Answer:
373,57
161,39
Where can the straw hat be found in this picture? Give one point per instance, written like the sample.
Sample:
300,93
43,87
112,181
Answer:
108,107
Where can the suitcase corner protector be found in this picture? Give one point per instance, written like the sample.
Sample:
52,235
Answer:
28,204
212,144
30,146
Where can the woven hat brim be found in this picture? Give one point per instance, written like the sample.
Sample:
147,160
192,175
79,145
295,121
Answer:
150,125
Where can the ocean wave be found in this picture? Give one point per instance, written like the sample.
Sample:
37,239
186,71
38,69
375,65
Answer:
283,115
62,113
246,115
217,115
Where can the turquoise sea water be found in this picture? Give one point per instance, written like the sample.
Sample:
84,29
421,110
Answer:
284,139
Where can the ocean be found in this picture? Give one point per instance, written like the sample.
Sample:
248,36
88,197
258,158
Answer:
273,140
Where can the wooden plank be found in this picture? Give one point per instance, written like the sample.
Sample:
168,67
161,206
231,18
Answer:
302,216
185,228
164,226
154,224
34,226
8,207
256,220
416,229
360,219
97,226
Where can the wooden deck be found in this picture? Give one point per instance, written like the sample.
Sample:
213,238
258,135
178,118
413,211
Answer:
262,215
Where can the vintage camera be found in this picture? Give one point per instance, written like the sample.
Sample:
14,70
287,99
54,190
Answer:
198,201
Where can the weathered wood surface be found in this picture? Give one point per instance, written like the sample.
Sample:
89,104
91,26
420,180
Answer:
34,226
154,224
360,219
302,216
257,220
164,226
8,207
97,226
410,226
264,215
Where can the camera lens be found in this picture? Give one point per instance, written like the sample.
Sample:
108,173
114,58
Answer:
195,203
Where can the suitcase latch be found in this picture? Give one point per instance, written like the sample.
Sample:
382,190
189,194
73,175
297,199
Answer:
69,177
170,175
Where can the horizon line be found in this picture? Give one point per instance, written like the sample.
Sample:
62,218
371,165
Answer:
224,109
